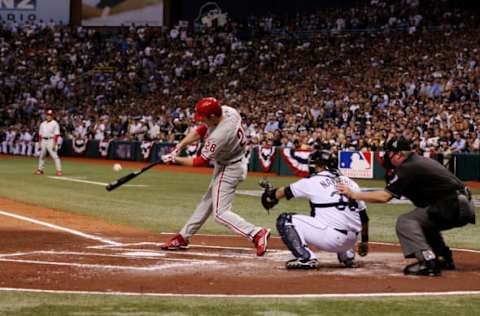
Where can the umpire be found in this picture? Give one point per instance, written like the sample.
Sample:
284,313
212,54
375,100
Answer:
442,202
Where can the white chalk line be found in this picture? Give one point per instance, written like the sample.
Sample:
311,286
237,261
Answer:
188,263
206,254
153,255
259,296
60,228
95,182
276,237
157,244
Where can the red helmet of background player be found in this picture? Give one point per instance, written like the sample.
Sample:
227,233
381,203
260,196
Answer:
206,107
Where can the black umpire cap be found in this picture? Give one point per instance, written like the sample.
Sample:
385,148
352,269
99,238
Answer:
398,144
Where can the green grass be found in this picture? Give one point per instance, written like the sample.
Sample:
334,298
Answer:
28,304
164,206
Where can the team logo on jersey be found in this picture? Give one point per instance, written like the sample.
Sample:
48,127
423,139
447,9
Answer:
356,164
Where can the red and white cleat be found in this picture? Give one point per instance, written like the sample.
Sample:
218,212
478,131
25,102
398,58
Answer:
261,241
175,243
58,173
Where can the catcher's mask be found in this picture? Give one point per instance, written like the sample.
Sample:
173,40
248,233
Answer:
322,158
394,145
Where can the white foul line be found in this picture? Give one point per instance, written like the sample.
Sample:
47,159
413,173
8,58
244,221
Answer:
261,296
53,226
95,182
111,267
149,243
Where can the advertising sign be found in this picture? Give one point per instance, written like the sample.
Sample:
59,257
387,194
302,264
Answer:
356,164
21,11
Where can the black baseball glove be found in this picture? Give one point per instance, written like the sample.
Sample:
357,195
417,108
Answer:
269,200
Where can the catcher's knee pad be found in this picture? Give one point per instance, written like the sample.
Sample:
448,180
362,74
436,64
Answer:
290,236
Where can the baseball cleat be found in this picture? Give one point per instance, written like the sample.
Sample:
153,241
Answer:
425,268
38,172
347,258
177,242
261,241
302,264
58,173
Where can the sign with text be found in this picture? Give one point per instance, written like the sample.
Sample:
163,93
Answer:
21,11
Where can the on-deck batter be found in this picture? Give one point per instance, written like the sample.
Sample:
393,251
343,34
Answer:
48,135
225,145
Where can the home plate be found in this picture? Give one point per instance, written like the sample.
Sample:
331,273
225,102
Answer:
143,254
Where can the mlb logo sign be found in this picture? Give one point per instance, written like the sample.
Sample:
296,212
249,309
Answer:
356,164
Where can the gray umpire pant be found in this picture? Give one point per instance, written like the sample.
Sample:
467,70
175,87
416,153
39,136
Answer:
420,229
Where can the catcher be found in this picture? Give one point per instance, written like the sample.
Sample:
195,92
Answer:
335,220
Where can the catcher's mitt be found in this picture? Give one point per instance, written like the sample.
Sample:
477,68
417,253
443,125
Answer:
269,200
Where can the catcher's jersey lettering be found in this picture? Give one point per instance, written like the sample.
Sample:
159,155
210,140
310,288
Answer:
320,189
225,142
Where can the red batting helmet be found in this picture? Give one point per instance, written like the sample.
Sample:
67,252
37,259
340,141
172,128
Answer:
206,107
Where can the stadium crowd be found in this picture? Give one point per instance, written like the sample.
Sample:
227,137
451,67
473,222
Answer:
346,79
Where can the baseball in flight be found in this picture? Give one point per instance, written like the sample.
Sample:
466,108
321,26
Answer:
117,167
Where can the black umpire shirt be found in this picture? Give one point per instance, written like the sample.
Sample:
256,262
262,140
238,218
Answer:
423,181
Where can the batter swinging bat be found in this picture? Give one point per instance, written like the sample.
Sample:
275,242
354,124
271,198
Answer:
115,184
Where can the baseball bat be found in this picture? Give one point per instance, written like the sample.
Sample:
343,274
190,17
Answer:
115,184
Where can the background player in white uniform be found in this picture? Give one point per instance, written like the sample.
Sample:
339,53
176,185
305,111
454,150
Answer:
26,143
225,144
335,220
48,135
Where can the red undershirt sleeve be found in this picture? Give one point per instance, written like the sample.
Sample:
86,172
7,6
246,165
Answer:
199,161
202,130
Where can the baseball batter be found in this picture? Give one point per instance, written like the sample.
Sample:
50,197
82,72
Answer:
335,220
48,135
225,145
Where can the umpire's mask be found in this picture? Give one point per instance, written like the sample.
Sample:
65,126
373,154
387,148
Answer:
394,145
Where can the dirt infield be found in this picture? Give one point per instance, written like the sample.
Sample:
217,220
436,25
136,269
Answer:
51,250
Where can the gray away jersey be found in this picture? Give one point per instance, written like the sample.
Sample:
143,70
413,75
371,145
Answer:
225,143
320,189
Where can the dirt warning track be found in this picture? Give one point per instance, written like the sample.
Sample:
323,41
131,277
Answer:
44,249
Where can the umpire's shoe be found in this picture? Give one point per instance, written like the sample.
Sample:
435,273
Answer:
177,242
425,268
299,263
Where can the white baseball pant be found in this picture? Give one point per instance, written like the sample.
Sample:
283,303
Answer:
218,199
48,145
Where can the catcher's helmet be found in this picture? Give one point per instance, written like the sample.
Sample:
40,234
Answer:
322,158
206,107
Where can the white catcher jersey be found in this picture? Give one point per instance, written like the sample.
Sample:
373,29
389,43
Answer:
49,129
320,189
225,142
